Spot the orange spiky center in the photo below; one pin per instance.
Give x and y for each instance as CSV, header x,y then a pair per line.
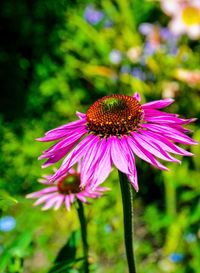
x,y
114,115
69,184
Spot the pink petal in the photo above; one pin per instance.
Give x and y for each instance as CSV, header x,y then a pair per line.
x,y
80,115
59,202
88,161
67,202
56,157
137,96
74,156
103,164
129,154
81,197
134,180
165,120
152,148
50,203
132,165
143,154
158,104
63,131
118,155
41,192
156,113
66,142
71,198
170,133
45,198
102,189
180,128
165,143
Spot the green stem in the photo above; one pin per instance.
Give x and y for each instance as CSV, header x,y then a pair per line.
x,y
170,196
83,234
127,201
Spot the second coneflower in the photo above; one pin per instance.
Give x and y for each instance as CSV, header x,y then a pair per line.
x,y
113,130
65,190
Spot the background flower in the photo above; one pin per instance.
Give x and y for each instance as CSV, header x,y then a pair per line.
x,y
185,17
115,56
7,223
92,15
65,191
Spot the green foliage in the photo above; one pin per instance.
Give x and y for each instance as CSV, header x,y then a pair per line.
x,y
65,259
14,254
55,63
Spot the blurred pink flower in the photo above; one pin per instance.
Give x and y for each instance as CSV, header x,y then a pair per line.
x,y
65,191
185,16
114,129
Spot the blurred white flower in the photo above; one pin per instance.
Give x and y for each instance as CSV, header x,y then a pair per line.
x,y
185,16
134,53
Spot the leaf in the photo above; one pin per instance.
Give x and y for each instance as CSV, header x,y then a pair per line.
x,y
67,253
17,250
67,265
6,200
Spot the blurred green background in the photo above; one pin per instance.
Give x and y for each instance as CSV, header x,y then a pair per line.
x,y
58,57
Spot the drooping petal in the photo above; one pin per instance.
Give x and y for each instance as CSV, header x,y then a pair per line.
x,y
102,189
55,158
50,203
45,198
63,131
134,180
157,104
179,127
137,96
165,120
132,165
170,133
88,162
67,202
150,112
103,164
118,155
59,202
74,156
165,143
156,150
71,198
64,143
81,197
80,115
153,115
144,154
41,192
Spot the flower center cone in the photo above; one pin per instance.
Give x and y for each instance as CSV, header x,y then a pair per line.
x,y
70,184
114,115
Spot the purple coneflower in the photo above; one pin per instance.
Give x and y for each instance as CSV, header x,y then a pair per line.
x,y
65,191
114,130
